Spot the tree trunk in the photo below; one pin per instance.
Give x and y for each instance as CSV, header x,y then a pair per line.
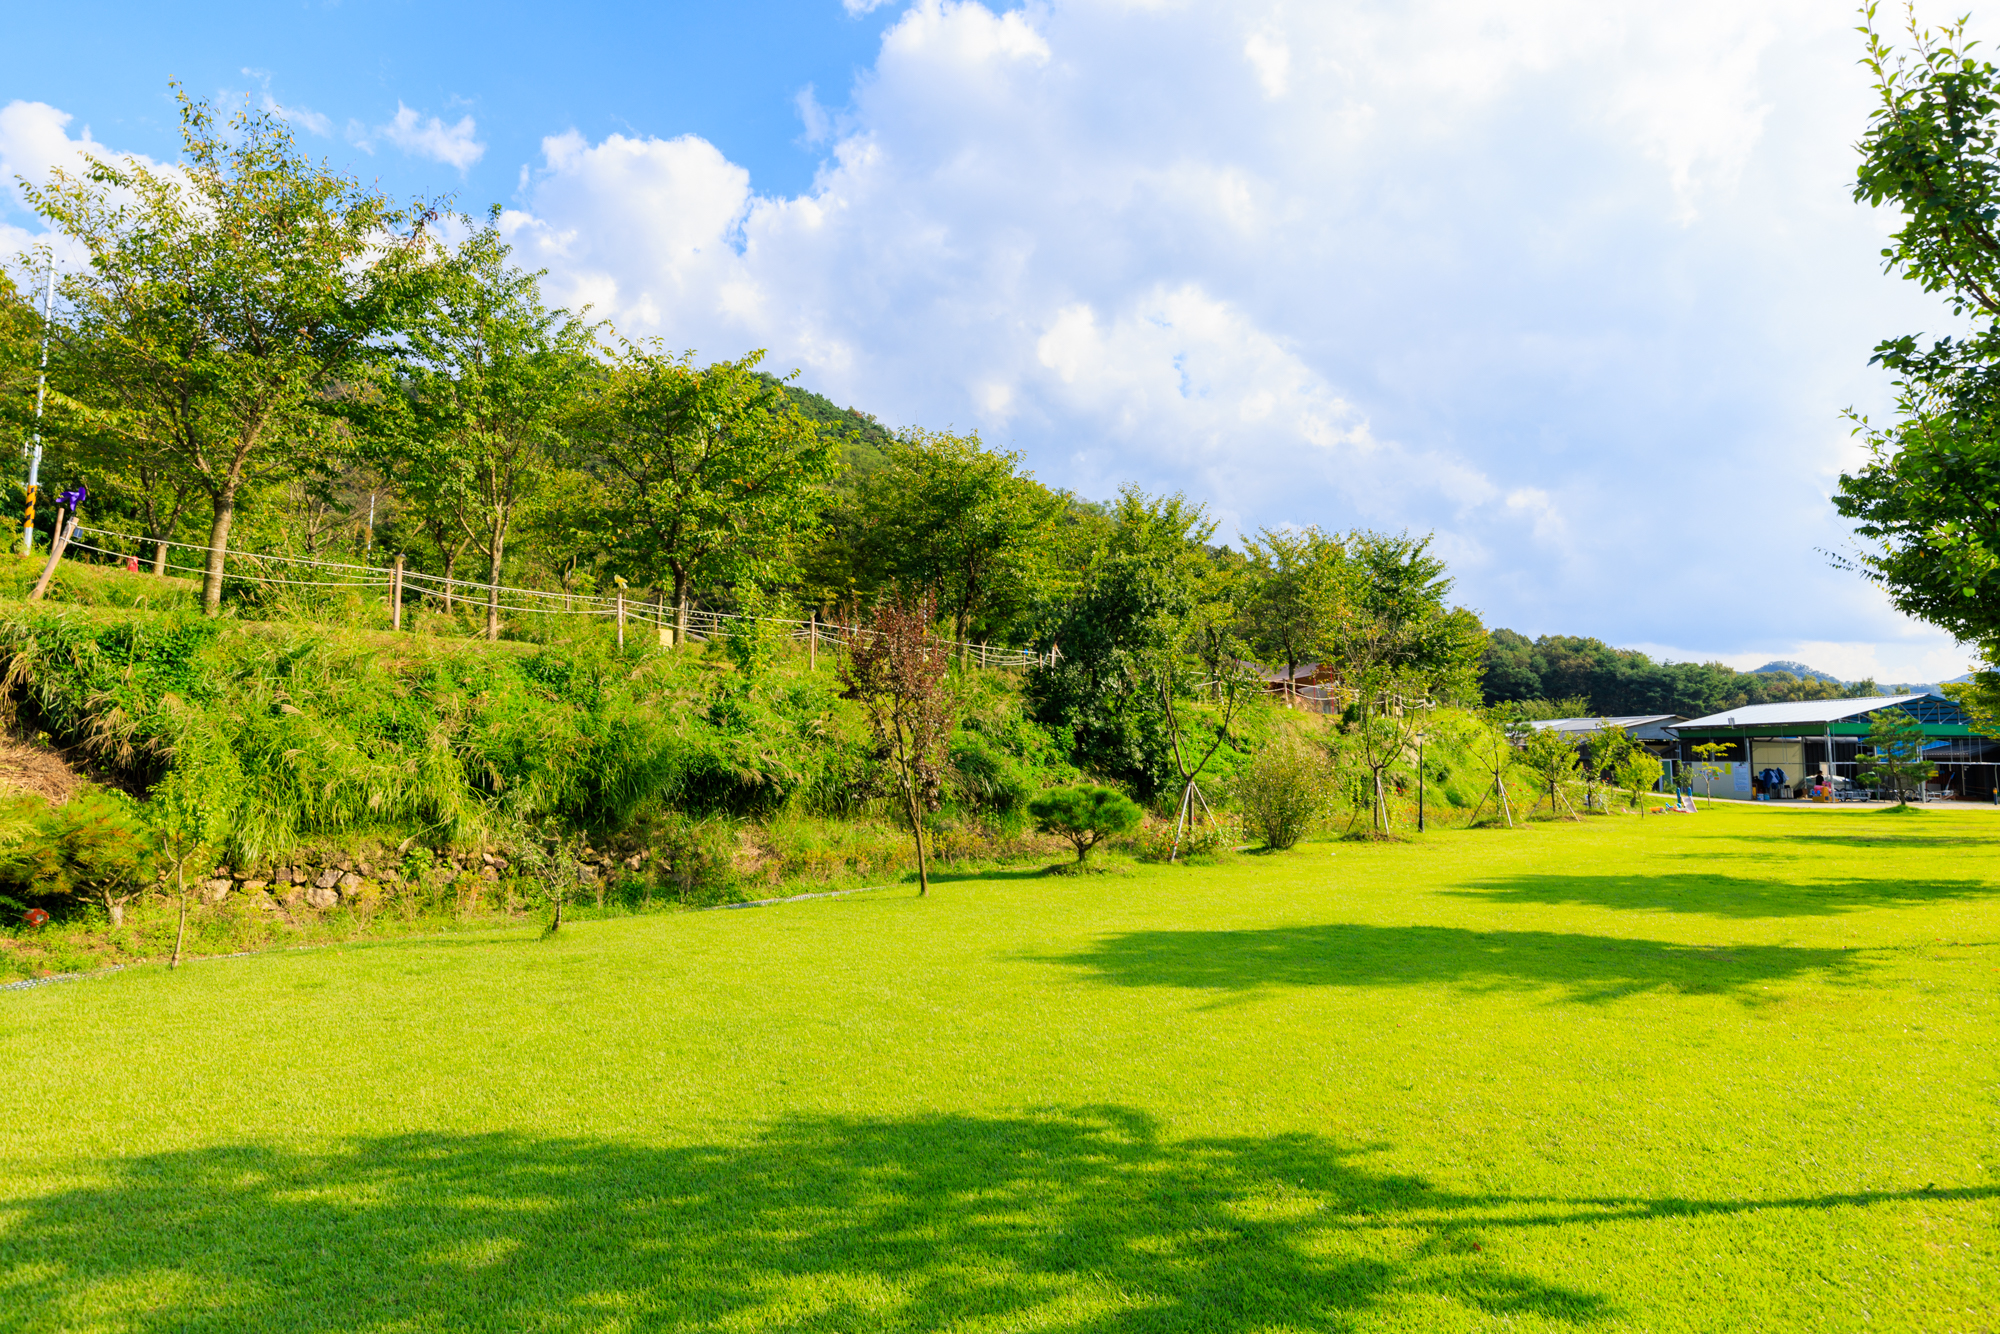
x,y
917,827
218,549
916,815
115,910
450,570
160,558
680,604
180,884
493,585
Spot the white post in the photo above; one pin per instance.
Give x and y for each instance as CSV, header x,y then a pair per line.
x,y
41,392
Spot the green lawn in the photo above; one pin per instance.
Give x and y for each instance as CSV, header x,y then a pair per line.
x,y
1733,1072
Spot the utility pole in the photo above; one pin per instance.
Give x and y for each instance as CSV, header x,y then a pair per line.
x,y
41,392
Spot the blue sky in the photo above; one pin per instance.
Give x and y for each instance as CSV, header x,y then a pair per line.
x,y
1580,288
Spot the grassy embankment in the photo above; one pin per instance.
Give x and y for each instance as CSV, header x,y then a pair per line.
x,y
723,771
1726,1072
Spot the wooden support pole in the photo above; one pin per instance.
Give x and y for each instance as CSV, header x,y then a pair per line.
x,y
621,616
396,594
63,535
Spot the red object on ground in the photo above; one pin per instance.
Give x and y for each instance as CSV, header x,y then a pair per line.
x,y
36,917
132,565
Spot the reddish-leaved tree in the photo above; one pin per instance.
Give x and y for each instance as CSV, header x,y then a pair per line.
x,y
901,674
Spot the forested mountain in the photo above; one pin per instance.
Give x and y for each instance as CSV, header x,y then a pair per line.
x,y
1588,676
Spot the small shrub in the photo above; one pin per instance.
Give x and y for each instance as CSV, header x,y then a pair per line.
x,y
96,848
697,857
1283,793
1086,816
1155,842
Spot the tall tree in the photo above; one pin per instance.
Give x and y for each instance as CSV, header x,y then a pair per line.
x,y
1925,498
712,473
1131,608
1398,648
949,514
478,399
1295,593
226,296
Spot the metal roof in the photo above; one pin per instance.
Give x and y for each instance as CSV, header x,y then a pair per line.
x,y
1797,712
1593,724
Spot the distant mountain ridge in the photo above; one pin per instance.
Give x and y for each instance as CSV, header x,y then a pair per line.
x,y
1805,673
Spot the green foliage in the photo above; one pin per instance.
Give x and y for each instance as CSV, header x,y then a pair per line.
x,y
97,847
1637,771
1553,760
467,419
1296,594
1896,762
224,300
1129,613
1709,764
1570,676
947,514
1925,498
711,476
1283,792
1086,816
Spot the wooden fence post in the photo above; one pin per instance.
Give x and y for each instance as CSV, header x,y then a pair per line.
x,y
396,594
621,613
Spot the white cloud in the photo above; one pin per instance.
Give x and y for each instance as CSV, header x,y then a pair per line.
x,y
1272,59
34,138
298,115
814,117
455,145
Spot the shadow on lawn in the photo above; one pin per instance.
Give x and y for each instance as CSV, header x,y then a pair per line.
x,y
1077,1221
1724,895
1592,968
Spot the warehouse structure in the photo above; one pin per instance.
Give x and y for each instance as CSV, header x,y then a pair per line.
x,y
1825,737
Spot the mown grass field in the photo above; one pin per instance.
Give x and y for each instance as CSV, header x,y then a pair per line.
x,y
1733,1072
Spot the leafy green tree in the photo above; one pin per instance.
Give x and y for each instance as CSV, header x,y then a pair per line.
x,y
1295,593
1553,760
1638,769
1925,499
190,811
1896,741
1128,615
227,298
474,416
1605,753
711,475
945,512
1086,816
1399,648
1708,763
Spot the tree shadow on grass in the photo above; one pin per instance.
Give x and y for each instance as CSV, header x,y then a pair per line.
x,y
1079,1221
1724,895
1860,836
1588,968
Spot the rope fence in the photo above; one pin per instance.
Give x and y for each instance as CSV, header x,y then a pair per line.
x,y
702,624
